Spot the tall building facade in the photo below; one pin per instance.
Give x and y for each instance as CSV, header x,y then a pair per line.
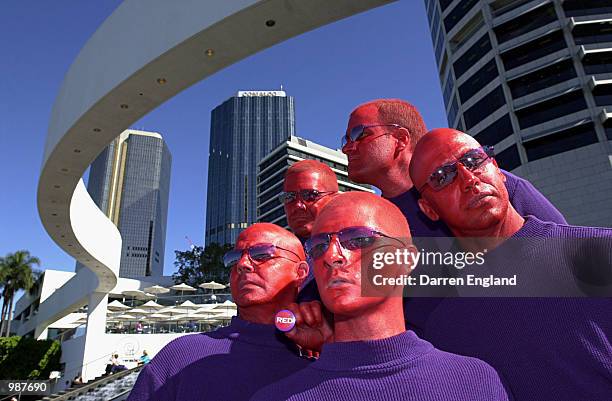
x,y
243,130
534,79
272,168
130,183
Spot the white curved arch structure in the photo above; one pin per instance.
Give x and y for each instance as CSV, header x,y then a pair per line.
x,y
142,55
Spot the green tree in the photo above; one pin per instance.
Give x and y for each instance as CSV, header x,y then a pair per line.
x,y
199,265
15,274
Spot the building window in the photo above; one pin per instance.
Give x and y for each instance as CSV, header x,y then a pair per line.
x,y
467,32
439,44
273,216
508,159
608,128
484,107
533,50
272,192
435,25
550,109
472,55
579,8
500,7
561,141
597,63
596,32
444,4
542,78
269,206
524,23
478,81
448,88
603,95
496,132
457,13
452,113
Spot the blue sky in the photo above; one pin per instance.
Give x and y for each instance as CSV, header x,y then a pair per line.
x,y
385,52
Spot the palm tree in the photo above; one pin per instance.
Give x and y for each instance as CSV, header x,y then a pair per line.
x,y
15,274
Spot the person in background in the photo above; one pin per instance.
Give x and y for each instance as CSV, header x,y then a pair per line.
x,y
144,358
308,186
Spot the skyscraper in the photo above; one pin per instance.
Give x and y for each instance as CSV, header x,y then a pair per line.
x,y
244,129
130,183
533,78
272,170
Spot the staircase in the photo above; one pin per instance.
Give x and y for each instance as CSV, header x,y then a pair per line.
x,y
115,387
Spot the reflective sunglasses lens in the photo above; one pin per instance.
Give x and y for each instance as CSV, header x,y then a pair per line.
x,y
356,238
309,196
357,132
473,159
443,176
317,245
286,197
261,253
231,258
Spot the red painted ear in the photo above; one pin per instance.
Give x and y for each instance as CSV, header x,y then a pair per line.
x,y
428,210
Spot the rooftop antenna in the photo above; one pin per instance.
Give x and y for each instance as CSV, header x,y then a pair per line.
x,y
281,87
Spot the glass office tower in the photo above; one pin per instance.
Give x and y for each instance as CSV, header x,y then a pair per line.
x,y
130,183
244,129
534,79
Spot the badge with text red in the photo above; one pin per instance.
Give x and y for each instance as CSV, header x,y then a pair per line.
x,y
284,320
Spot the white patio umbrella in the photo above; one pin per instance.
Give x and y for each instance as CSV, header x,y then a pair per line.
x,y
138,311
158,316
134,294
226,305
152,305
182,287
116,306
157,289
125,316
212,285
189,305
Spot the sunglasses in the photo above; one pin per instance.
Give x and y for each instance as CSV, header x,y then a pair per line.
x,y
258,254
350,238
306,195
358,131
446,173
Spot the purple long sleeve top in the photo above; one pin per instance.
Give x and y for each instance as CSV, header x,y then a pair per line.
x,y
231,363
402,368
543,348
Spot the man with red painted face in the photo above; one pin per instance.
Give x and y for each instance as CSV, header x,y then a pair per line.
x,y
372,356
545,348
232,363
309,185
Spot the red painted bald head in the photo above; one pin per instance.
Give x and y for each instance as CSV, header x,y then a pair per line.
x,y
338,270
474,199
273,279
308,175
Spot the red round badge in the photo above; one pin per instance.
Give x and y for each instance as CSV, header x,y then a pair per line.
x,y
284,320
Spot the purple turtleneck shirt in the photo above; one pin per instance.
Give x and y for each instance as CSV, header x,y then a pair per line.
x,y
543,348
402,368
231,363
